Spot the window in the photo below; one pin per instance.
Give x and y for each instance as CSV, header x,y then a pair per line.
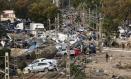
x,y
39,64
63,49
5,15
43,59
35,61
51,63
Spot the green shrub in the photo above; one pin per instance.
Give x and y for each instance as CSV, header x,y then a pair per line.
x,y
77,72
22,65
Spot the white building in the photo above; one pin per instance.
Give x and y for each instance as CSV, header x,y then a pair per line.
x,y
8,15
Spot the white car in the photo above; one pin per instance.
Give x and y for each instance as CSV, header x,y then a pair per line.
x,y
41,66
53,61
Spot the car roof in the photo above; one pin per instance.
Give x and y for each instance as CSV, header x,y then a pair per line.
x,y
41,59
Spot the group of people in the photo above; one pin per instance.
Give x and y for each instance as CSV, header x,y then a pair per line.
x,y
89,49
92,48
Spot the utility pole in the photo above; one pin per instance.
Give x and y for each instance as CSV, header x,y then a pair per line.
x,y
58,22
9,4
0,15
49,24
55,27
7,65
69,4
36,51
100,30
89,17
6,72
83,18
68,54
100,34
68,59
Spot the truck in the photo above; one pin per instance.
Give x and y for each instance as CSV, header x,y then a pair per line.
x,y
19,26
37,29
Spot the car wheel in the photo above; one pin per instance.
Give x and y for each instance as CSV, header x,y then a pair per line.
x,y
46,70
55,69
29,70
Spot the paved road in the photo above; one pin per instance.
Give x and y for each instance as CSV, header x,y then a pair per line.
x,y
116,50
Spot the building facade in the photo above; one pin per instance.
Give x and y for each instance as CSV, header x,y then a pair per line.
x,y
8,15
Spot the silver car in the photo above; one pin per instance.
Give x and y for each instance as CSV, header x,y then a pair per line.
x,y
41,66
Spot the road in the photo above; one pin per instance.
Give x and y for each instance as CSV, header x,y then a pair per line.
x,y
119,56
116,50
99,62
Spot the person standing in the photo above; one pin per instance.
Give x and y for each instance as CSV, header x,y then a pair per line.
x,y
123,46
111,57
92,49
107,57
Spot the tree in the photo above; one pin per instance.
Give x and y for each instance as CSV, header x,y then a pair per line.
x,y
21,8
2,31
89,3
115,13
3,5
41,10
6,4
64,3
22,64
77,72
109,29
92,7
119,10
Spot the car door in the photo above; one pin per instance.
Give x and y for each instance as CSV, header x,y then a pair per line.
x,y
42,66
34,67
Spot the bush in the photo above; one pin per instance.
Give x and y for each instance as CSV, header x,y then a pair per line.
x,y
77,72
48,52
115,44
22,65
